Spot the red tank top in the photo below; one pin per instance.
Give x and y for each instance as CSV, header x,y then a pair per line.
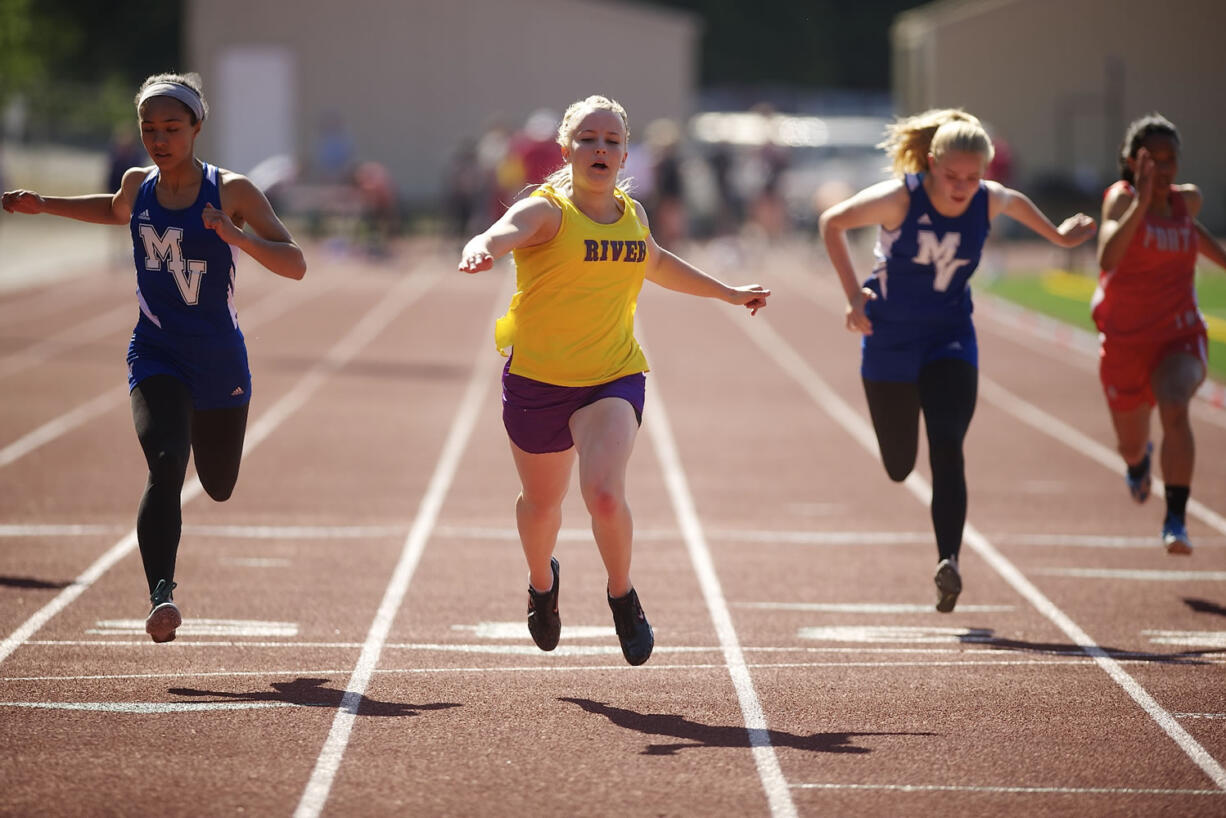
x,y
1151,294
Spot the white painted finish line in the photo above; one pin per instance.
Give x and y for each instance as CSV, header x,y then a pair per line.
x,y
868,607
200,627
894,633
1144,576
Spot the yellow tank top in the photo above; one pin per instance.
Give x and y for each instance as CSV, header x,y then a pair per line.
x,y
571,320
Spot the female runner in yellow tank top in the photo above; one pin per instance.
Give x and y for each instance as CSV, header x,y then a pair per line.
x,y
574,381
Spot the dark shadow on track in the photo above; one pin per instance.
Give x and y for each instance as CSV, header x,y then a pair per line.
x,y
696,735
32,583
1205,606
983,636
312,693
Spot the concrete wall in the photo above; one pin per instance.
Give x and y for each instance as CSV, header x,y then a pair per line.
x,y
1061,79
410,79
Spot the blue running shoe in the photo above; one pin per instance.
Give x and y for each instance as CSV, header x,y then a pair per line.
x,y
1138,487
164,618
1175,536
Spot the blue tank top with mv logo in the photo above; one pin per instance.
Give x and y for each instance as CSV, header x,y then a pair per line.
x,y
185,272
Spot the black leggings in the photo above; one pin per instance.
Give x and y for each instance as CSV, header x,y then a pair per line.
x,y
945,392
169,429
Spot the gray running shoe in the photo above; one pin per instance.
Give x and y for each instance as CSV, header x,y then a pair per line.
x,y
164,618
949,584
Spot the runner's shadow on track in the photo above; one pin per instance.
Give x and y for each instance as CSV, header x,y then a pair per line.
x,y
694,734
982,636
1205,606
32,583
312,693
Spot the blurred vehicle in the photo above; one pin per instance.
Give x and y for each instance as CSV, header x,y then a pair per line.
x,y
812,162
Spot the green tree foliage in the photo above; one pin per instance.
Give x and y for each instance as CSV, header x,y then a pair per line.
x,y
76,64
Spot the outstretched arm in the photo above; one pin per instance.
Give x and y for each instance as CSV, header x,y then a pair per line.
x,y
530,221
885,204
675,273
96,208
1017,206
271,244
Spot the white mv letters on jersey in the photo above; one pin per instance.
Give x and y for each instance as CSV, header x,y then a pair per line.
x,y
167,249
940,254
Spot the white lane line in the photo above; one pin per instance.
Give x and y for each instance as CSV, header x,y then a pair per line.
x,y
1022,326
1008,790
154,707
109,322
894,633
1149,543
200,627
515,630
368,532
1145,576
1077,662
51,530
63,424
408,290
764,335
269,306
1054,427
866,607
329,760
778,795
1215,640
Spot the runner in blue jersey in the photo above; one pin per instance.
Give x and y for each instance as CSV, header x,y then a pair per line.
x,y
187,361
919,353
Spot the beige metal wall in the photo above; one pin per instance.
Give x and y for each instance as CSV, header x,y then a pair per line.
x,y
412,78
1061,79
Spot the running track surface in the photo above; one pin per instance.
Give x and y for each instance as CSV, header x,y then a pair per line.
x,y
355,643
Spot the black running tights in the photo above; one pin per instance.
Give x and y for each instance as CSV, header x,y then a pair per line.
x,y
945,392
169,429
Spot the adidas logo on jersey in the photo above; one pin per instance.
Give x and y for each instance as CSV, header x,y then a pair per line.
x,y
238,390
144,216
923,219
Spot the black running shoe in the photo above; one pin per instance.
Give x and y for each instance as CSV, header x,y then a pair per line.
x,y
164,618
633,629
543,621
949,584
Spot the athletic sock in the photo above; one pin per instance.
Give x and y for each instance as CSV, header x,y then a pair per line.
x,y
1177,500
1137,471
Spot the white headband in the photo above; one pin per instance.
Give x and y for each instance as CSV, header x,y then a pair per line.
x,y
178,91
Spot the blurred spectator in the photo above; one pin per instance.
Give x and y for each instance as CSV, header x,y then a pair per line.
x,y
380,207
124,152
532,154
727,202
768,211
665,197
333,150
491,153
462,189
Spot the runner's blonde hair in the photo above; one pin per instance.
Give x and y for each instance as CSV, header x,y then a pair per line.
x,y
937,131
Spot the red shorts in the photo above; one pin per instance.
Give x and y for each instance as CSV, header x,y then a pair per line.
x,y
1125,367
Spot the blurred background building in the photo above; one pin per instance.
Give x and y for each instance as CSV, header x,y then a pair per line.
x,y
1061,79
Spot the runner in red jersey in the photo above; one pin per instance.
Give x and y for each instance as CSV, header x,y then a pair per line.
x,y
1154,339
